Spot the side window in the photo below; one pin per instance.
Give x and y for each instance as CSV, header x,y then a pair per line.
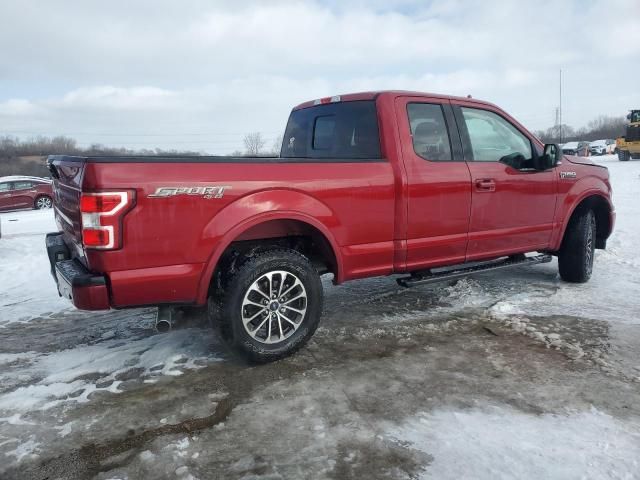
x,y
429,131
493,138
22,185
4,187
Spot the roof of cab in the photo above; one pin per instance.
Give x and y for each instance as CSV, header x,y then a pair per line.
x,y
372,95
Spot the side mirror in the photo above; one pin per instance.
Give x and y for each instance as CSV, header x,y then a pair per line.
x,y
552,156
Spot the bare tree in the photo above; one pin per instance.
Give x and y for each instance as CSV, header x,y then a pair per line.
x,y
276,146
253,143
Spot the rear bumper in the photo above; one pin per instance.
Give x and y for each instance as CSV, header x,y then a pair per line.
x,y
85,290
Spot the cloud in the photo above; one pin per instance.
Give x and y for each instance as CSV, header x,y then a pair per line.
x,y
182,70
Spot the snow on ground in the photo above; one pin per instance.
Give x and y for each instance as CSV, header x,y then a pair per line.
x,y
39,381
27,289
35,381
502,443
612,294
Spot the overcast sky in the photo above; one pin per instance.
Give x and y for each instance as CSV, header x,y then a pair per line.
x,y
200,74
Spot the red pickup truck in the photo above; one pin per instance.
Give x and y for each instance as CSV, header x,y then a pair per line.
x,y
366,184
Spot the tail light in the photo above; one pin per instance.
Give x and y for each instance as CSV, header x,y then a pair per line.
x,y
102,214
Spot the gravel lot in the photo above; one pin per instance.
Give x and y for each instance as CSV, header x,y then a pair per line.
x,y
512,374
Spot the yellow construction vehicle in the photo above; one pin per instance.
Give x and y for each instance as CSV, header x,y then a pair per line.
x,y
628,146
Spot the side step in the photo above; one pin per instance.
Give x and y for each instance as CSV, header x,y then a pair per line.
x,y
421,278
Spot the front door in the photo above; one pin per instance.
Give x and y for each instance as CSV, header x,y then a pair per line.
x,y
513,201
5,195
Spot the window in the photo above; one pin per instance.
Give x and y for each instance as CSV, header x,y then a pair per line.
x,y
4,187
22,185
429,131
334,130
493,138
323,132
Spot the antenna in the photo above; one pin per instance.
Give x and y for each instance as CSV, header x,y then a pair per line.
x,y
560,112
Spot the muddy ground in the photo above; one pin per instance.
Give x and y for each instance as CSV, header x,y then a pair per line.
x,y
383,356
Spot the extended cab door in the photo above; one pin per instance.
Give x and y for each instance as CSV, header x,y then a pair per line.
x,y
513,200
438,190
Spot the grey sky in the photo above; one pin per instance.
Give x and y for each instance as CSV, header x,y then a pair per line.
x,y
199,74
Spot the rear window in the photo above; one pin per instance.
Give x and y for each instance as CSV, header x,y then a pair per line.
x,y
335,130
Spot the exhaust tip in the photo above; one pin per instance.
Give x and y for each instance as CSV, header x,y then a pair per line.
x,y
163,326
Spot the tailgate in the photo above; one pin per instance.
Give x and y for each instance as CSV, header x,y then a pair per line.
x,y
68,173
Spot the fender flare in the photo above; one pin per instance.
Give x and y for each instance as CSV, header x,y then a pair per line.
x,y
259,207
591,192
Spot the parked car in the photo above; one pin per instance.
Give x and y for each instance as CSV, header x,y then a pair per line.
x,y
366,184
603,147
25,192
579,149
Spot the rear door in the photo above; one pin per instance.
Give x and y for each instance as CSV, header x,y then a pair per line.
x,y
513,203
22,194
438,182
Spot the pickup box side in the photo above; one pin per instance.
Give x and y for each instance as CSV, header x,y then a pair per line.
x,y
170,245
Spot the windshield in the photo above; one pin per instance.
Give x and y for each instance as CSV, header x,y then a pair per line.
x,y
333,130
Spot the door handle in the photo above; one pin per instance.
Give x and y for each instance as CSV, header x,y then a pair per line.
x,y
486,185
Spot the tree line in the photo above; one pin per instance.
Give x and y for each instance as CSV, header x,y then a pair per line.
x,y
27,157
600,128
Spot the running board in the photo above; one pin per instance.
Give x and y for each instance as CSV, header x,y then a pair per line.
x,y
421,278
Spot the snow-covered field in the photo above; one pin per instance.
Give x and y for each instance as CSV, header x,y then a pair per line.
x,y
512,374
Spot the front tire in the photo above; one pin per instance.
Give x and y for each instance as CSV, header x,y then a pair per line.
x,y
623,155
575,258
271,305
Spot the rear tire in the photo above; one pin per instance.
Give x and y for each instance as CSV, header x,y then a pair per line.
x,y
623,155
43,202
575,258
258,326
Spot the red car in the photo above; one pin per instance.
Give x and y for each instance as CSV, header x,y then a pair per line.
x,y
25,192
430,186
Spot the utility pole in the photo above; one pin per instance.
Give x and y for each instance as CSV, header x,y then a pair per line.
x,y
560,114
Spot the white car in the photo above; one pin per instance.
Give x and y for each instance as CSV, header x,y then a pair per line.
x,y
602,147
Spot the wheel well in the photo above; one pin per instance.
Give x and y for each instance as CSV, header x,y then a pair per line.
x,y
282,233
39,196
602,212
